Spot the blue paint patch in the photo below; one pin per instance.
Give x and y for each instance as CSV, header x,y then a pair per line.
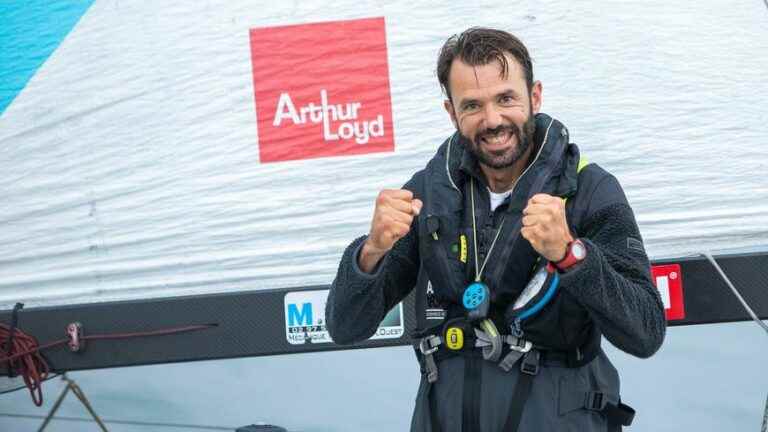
x,y
30,30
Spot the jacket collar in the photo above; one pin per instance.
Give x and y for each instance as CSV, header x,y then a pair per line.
x,y
551,149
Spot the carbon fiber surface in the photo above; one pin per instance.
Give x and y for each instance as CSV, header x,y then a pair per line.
x,y
708,299
255,323
248,324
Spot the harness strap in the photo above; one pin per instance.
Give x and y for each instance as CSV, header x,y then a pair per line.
x,y
617,414
529,368
428,346
434,420
517,348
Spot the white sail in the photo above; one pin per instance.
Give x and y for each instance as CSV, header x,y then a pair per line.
x,y
131,159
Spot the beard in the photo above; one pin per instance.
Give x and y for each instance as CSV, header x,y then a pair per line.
x,y
507,157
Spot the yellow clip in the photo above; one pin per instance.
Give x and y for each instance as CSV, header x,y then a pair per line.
x,y
463,248
454,338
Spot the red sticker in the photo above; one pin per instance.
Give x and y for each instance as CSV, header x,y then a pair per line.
x,y
669,281
322,90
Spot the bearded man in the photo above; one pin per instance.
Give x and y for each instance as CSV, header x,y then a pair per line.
x,y
522,256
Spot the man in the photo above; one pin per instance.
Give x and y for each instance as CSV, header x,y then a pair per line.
x,y
521,254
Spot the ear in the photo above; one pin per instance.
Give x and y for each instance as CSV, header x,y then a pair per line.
x,y
536,96
449,108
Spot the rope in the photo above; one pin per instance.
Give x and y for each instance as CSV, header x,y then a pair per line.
x,y
122,422
25,358
765,413
749,310
736,292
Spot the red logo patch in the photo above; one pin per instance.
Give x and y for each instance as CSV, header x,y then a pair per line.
x,y
669,281
322,90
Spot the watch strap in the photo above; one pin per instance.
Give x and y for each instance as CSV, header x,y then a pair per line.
x,y
570,258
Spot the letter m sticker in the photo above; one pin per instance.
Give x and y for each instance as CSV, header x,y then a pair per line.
x,y
301,317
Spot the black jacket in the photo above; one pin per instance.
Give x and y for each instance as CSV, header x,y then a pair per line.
x,y
609,293
611,289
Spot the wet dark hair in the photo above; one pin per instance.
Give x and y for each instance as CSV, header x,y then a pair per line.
x,y
478,46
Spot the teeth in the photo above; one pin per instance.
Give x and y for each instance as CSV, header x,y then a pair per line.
x,y
497,138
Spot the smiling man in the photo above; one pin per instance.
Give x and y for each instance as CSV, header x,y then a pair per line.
x,y
522,256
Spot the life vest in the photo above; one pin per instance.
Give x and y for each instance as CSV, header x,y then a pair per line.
x,y
446,245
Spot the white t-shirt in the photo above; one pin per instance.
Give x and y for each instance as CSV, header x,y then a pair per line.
x,y
498,198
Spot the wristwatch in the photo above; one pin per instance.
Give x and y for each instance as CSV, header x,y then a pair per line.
x,y
575,252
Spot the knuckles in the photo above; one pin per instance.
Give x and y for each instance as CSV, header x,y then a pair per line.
x,y
382,198
390,224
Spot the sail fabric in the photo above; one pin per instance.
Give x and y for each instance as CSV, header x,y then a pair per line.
x,y
174,148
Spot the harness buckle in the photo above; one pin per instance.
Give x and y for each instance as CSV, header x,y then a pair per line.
x,y
595,401
519,344
429,344
530,363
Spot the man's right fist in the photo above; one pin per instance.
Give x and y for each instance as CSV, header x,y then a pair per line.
x,y
392,218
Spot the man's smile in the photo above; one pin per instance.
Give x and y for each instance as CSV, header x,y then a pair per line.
x,y
497,141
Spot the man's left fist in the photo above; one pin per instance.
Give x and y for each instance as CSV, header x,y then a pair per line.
x,y
545,227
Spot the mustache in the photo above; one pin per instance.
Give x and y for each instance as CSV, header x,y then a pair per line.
x,y
490,133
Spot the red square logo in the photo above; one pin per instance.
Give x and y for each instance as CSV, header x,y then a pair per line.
x,y
322,90
669,281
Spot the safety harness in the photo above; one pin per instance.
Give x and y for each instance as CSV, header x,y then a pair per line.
x,y
459,336
469,332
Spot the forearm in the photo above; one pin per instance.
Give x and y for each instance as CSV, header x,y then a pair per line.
x,y
613,283
358,301
369,258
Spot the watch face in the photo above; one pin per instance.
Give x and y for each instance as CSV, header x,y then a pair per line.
x,y
578,250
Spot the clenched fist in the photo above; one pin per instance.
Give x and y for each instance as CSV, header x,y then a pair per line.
x,y
545,227
392,218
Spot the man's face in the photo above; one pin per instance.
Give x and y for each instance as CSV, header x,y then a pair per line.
x,y
494,113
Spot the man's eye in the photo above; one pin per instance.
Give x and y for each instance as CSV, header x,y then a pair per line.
x,y
471,106
507,100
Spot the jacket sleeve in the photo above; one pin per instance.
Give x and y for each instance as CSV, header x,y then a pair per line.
x,y
614,282
358,301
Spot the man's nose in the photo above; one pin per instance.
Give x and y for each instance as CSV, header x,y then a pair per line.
x,y
491,117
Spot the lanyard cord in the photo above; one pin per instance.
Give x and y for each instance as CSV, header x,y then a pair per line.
x,y
478,269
